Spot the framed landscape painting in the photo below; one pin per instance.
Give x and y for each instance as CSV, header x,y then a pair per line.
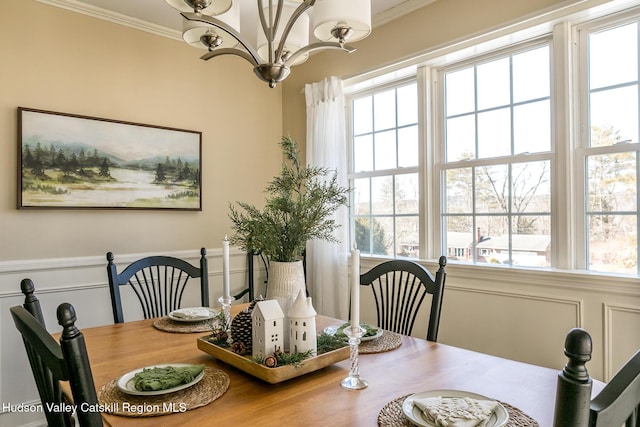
x,y
69,161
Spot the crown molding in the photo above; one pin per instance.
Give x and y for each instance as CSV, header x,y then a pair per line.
x,y
398,11
116,18
140,24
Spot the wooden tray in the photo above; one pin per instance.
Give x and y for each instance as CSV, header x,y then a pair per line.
x,y
273,375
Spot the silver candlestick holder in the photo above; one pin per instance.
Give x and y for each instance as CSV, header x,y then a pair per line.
x,y
225,302
353,381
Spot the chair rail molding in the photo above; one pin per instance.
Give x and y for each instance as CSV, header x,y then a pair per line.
x,y
89,272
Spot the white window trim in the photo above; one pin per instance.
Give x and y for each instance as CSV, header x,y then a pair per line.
x,y
560,23
440,166
581,129
406,77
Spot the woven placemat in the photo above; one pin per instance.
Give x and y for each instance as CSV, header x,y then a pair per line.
x,y
392,415
167,325
213,385
388,341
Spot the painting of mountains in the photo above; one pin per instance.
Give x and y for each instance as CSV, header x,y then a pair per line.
x,y
71,161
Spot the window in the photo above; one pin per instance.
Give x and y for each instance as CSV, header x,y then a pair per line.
x,y
610,146
385,200
496,174
531,156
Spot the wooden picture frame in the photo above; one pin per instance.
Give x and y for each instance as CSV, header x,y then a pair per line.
x,y
69,161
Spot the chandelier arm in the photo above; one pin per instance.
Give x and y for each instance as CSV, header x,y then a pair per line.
x,y
269,28
251,55
229,51
319,46
292,20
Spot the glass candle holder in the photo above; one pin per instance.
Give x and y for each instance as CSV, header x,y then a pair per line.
x,y
225,302
353,381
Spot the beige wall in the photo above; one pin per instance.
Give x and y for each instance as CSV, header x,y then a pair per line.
x,y
58,60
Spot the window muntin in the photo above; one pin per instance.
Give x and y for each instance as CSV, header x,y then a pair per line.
x,y
385,201
497,203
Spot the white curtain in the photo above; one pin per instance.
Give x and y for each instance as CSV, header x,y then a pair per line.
x,y
327,267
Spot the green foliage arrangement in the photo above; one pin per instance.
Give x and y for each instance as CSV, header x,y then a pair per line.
x,y
297,210
327,343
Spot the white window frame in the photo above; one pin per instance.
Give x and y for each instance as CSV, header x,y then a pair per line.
x,y
562,24
404,79
441,165
582,131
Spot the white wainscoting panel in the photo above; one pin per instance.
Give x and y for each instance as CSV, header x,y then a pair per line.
x,y
622,336
524,327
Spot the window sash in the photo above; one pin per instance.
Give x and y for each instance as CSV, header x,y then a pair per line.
x,y
392,216
569,112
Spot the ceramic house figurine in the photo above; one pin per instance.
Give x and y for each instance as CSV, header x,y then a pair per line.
x,y
267,321
302,326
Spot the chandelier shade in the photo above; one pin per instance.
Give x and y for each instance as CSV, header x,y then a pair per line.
x,y
329,16
283,30
206,36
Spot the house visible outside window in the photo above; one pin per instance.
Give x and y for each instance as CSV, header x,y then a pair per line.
x,y
497,137
384,206
610,146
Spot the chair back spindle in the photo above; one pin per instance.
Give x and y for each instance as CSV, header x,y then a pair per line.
x,y
159,283
399,288
249,290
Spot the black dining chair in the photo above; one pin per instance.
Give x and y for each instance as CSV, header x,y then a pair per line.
x,y
31,302
399,288
158,282
250,289
52,363
617,404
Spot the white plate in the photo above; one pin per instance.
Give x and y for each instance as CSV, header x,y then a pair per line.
x,y
126,384
192,314
499,417
330,330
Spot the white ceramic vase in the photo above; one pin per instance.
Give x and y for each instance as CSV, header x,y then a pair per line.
x,y
286,280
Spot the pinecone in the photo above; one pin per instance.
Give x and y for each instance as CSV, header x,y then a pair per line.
x,y
241,330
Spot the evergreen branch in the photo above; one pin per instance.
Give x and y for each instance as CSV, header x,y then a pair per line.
x,y
297,209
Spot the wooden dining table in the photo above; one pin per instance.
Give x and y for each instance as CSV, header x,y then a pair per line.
x,y
317,398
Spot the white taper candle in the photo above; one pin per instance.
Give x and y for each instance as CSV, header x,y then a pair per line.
x,y
355,288
225,267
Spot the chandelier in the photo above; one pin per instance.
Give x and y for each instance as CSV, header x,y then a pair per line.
x,y
283,30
